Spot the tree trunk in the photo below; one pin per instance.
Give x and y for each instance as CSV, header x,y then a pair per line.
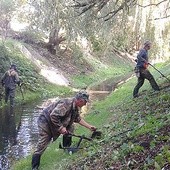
x,y
54,41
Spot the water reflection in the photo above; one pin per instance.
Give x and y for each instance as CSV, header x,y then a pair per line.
x,y
18,133
7,129
7,135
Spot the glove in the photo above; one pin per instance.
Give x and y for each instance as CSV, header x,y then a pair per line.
x,y
93,128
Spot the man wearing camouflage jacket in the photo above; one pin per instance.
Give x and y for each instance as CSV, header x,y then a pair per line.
x,y
58,118
9,81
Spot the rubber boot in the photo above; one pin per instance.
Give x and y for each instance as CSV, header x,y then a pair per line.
x,y
67,140
35,161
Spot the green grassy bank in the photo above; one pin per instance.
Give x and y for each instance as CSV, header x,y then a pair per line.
x,y
143,116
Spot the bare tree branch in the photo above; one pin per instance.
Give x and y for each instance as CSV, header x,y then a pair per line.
x,y
111,14
121,7
166,14
87,8
102,4
144,6
162,17
79,4
99,4
89,4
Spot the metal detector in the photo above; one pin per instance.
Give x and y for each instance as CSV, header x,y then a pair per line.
x,y
96,134
21,90
159,72
76,148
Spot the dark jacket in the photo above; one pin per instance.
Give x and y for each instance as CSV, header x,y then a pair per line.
x,y
10,79
142,58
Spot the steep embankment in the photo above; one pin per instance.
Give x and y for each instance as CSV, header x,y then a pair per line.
x,y
46,69
78,70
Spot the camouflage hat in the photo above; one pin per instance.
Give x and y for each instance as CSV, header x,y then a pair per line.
x,y
82,95
13,66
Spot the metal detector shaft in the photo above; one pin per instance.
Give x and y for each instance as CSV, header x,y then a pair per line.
x,y
21,92
159,72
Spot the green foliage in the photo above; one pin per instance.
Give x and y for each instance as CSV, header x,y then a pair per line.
x,y
124,149
137,148
27,71
166,31
166,97
96,44
30,36
5,59
6,7
163,138
77,53
152,125
163,157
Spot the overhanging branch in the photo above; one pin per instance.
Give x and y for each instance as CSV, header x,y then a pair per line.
x,y
154,4
119,5
162,17
125,4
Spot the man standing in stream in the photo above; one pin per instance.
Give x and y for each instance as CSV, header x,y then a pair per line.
x,y
9,81
141,70
58,118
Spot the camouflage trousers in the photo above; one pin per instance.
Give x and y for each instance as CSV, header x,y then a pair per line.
x,y
145,74
45,135
9,94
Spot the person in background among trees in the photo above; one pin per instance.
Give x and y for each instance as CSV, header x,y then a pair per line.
x,y
9,81
58,118
141,70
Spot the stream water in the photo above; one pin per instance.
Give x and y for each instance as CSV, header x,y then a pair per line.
x,y
19,131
